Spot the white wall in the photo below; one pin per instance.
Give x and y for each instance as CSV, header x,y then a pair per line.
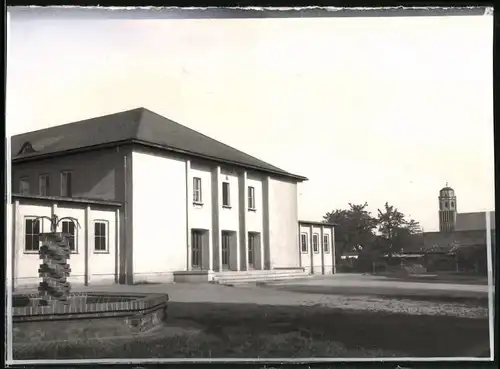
x,y
317,261
102,264
26,263
321,262
229,217
255,218
159,216
305,257
101,267
283,224
200,217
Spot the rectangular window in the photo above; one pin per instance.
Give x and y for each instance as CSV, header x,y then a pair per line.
x,y
100,236
66,184
303,242
225,194
251,198
24,186
315,243
44,185
32,235
69,228
197,190
326,243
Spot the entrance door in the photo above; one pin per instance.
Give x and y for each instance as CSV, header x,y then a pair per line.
x,y
226,241
251,250
196,249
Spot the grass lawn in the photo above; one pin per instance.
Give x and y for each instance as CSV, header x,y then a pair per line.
x,y
220,330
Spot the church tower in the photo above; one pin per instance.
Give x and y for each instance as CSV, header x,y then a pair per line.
x,y
447,209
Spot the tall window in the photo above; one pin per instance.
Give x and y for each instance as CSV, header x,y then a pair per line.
x,y
251,198
326,243
303,242
68,227
24,186
100,236
225,194
66,184
44,185
31,235
316,243
197,195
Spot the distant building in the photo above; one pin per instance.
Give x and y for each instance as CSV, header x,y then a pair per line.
x,y
457,230
156,202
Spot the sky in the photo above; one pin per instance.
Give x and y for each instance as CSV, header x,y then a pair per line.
x,y
368,109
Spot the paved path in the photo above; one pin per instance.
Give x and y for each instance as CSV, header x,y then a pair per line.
x,y
370,281
352,292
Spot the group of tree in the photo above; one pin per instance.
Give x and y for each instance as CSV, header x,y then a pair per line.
x,y
388,232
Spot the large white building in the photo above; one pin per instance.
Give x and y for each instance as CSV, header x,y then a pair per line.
x,y
157,202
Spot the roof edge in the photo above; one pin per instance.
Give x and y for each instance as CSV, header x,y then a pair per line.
x,y
313,222
77,200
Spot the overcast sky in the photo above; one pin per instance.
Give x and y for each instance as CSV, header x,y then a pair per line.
x,y
369,109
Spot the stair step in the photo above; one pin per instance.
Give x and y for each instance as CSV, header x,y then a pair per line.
x,y
256,280
259,276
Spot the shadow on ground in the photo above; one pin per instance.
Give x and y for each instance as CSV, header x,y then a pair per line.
x,y
218,330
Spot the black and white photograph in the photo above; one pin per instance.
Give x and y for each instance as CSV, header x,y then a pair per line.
x,y
260,184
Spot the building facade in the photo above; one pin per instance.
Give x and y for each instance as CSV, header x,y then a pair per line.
x,y
179,204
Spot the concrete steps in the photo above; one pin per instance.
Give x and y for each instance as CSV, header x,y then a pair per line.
x,y
258,276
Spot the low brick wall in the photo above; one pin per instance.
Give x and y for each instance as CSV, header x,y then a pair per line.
x,y
83,320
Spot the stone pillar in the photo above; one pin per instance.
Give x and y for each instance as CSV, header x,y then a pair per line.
x,y
54,270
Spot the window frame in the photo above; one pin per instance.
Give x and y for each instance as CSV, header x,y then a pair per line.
x,y
197,191
75,236
315,249
326,243
252,203
27,182
106,236
226,185
64,184
40,230
45,176
304,237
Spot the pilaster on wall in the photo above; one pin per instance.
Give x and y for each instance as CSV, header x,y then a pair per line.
x,y
243,200
334,251
266,244
216,250
128,244
17,224
322,249
189,200
88,237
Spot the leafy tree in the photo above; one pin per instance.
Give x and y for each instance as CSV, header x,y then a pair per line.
x,y
396,232
354,229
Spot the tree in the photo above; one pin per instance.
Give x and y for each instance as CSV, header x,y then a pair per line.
x,y
354,227
396,232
